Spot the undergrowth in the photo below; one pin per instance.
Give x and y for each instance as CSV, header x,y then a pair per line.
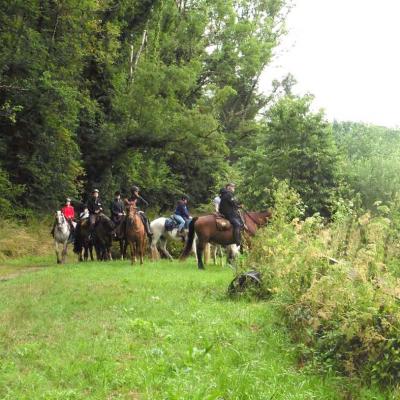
x,y
28,238
337,285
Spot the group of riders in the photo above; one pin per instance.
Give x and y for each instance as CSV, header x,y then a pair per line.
x,y
225,205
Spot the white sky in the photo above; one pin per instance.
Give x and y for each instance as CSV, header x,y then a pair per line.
x,y
347,54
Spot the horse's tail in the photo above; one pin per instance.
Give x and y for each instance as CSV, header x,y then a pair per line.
x,y
189,243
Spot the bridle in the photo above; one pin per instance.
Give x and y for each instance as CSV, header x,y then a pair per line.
x,y
248,214
60,219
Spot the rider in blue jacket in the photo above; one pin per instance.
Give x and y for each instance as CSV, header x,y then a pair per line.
x,y
182,214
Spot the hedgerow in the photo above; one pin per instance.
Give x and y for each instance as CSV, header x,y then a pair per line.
x,y
336,285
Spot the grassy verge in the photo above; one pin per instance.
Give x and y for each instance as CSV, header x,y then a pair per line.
x,y
160,331
19,240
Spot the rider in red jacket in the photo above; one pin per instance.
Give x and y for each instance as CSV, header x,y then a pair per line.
x,y
68,210
69,214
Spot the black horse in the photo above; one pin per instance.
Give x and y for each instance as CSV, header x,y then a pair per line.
x,y
102,237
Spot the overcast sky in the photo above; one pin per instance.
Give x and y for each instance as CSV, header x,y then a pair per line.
x,y
346,53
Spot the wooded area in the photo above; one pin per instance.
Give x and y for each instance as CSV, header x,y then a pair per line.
x,y
164,94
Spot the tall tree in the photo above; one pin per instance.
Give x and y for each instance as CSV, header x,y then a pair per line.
x,y
296,145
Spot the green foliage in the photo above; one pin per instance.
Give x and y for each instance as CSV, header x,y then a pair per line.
x,y
88,99
8,196
344,313
371,160
295,145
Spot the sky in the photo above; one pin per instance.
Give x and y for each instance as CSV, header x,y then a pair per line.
x,y
347,54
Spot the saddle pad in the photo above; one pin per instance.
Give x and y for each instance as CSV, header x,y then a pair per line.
x,y
170,224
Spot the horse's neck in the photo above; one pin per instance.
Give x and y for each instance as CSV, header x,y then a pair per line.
x,y
251,222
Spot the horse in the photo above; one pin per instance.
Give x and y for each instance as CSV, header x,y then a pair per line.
x,y
103,231
61,235
160,235
83,241
205,228
135,233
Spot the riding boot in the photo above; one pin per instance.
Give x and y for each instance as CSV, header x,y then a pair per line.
x,y
236,235
146,224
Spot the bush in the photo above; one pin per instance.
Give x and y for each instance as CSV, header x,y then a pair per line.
x,y
334,287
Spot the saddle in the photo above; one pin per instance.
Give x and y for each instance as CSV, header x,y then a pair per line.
x,y
171,224
222,223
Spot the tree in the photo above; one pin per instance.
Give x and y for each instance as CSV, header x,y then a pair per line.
x,y
296,145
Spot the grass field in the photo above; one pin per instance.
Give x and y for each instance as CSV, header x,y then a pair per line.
x,y
158,331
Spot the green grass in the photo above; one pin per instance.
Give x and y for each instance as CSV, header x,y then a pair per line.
x,y
158,331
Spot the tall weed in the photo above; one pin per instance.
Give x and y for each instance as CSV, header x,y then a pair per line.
x,y
336,285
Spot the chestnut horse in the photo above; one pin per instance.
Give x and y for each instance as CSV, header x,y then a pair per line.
x,y
205,228
135,233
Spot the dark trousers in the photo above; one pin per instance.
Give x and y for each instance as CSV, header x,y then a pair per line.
x,y
237,224
146,224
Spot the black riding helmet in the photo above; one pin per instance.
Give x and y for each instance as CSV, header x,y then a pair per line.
x,y
185,197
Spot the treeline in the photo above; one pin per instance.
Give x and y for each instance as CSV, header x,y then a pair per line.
x,y
164,94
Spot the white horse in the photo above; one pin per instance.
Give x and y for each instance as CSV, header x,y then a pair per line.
x,y
61,236
159,239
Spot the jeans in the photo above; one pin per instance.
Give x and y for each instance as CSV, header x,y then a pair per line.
x,y
180,220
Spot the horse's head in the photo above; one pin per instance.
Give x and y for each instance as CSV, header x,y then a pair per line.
x,y
60,219
132,210
265,216
260,218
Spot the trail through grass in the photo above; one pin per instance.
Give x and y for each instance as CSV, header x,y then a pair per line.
x,y
158,331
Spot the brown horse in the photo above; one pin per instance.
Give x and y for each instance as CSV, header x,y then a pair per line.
x,y
135,233
205,228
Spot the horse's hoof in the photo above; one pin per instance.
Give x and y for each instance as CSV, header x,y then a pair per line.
x,y
201,268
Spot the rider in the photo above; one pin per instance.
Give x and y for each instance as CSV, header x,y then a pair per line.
x,y
69,214
137,200
229,208
117,208
182,214
95,208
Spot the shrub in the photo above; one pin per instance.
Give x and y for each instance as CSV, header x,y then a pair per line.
x,y
334,287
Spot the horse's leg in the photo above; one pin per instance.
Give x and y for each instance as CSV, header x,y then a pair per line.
x,y
91,252
155,255
207,253
125,247
194,247
57,253
64,252
132,251
121,248
232,252
200,248
214,254
163,248
141,244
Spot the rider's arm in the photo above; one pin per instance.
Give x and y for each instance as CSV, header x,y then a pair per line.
x,y
144,201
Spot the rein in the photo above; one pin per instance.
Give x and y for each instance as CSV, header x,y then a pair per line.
x,y
248,214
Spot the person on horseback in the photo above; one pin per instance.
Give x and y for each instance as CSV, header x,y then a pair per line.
x,y
182,215
95,208
229,208
117,209
69,214
138,200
